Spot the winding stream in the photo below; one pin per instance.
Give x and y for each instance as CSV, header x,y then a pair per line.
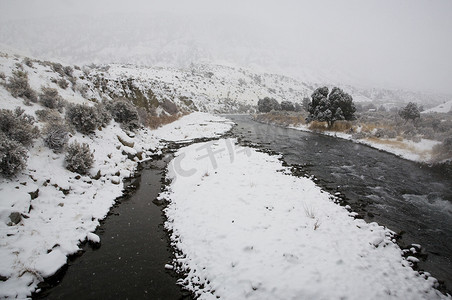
x,y
130,264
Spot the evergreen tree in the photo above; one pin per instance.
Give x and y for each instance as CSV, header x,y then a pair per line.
x,y
287,106
331,107
410,112
268,104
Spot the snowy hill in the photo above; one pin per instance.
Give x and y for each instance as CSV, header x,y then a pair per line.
x,y
442,108
198,87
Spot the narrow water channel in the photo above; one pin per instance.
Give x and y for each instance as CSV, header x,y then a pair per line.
x,y
130,264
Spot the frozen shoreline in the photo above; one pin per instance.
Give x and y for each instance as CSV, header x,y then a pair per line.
x,y
417,152
247,239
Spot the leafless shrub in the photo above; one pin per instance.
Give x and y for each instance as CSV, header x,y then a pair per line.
x,y
84,118
13,156
18,126
124,112
18,86
68,71
79,158
56,136
104,116
28,62
48,115
50,98
57,68
62,83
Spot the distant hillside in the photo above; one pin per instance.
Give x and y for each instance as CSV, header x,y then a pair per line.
x,y
442,108
197,87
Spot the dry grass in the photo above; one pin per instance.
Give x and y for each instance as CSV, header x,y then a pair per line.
x,y
341,126
281,118
155,122
396,143
399,144
317,126
369,127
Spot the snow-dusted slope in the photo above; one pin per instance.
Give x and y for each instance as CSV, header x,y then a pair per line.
x,y
442,108
211,88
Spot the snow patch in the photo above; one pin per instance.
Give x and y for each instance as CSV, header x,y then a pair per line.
x,y
248,229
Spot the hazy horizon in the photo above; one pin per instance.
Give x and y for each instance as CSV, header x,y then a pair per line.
x,y
391,44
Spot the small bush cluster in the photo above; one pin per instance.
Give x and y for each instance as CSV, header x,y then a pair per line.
x,y
50,98
18,126
16,133
56,136
68,71
28,62
57,68
103,115
268,104
385,133
62,83
82,89
287,106
79,158
48,115
84,118
18,86
13,156
125,113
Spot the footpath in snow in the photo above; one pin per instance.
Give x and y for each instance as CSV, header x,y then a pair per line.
x,y
247,229
54,210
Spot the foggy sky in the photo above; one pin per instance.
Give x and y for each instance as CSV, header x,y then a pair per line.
x,y
406,43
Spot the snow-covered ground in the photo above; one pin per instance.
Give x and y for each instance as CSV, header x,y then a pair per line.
x,y
68,207
246,228
415,151
193,126
442,108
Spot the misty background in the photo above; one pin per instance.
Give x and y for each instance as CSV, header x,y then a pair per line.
x,y
403,44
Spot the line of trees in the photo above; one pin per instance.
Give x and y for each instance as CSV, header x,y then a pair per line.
x,y
268,104
324,106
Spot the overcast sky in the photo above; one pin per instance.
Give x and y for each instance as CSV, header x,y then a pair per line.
x,y
406,43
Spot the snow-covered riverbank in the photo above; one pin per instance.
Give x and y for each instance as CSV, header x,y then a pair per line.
x,y
246,228
415,151
47,211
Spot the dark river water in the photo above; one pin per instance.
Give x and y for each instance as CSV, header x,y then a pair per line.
x,y
130,264
407,197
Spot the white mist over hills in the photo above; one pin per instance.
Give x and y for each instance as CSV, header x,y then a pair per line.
x,y
388,44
